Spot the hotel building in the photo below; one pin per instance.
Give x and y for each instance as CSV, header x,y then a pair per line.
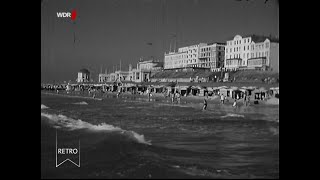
x,y
252,52
201,55
211,56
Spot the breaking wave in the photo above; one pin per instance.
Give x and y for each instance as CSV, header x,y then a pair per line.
x,y
232,115
81,103
44,107
62,121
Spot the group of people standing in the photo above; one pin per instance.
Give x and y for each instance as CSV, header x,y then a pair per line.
x,y
246,101
175,96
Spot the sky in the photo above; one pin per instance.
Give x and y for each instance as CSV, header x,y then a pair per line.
x,y
106,32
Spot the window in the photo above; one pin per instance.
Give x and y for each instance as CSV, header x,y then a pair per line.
x,y
244,48
247,55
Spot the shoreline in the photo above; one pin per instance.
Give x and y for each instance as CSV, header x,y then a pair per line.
x,y
160,98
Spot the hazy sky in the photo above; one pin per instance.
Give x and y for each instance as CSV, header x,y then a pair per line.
x,y
106,31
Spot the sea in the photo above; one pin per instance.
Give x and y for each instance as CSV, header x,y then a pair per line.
x,y
129,137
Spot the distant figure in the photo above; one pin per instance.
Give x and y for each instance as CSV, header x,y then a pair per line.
x,y
235,103
94,95
248,101
149,94
204,104
222,98
172,97
178,97
118,94
57,91
245,99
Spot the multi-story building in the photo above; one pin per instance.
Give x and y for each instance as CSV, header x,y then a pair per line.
x,y
192,59
211,56
252,52
201,55
174,60
83,76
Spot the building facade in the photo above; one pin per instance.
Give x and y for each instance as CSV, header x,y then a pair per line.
x,y
201,55
141,73
253,52
83,76
211,56
174,60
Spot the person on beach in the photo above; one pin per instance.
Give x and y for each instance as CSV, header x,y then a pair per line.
x,y
149,94
235,103
204,104
172,97
222,98
119,92
248,101
178,97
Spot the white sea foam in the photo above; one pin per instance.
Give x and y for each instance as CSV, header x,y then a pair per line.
x,y
81,103
232,115
73,124
44,107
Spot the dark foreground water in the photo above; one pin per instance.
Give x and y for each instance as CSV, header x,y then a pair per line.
x,y
134,138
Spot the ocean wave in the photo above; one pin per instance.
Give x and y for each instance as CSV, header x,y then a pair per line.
x,y
232,115
73,124
81,103
44,107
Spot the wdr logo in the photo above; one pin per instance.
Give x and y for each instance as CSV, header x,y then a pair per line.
x,y
71,15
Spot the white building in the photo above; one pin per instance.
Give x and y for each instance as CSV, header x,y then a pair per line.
x,y
189,56
192,59
211,56
83,76
251,52
174,60
141,73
